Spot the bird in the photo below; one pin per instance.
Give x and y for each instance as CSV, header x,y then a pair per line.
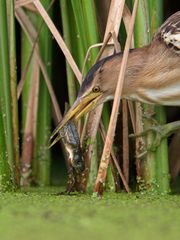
x,y
152,76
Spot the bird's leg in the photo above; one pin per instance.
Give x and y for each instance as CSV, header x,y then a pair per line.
x,y
161,132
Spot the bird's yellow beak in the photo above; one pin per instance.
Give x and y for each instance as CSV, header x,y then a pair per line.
x,y
81,106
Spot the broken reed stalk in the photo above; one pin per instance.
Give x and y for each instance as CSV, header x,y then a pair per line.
x,y
98,188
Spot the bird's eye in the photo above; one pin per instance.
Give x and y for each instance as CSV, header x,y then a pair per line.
x,y
96,89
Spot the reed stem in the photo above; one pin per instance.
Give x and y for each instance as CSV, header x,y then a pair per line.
x,y
6,99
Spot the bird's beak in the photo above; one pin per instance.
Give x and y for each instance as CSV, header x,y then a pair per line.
x,y
81,106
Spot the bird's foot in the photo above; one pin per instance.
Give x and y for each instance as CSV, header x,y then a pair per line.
x,y
161,132
149,115
159,135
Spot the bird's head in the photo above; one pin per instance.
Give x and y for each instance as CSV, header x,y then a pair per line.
x,y
98,86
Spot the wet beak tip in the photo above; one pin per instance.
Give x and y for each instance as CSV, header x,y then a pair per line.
x,y
50,144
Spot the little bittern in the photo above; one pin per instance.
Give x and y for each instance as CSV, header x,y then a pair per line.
x,y
152,75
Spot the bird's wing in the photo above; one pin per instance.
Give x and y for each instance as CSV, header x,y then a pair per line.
x,y
169,32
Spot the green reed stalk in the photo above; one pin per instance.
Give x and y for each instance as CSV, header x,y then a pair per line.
x,y
90,20
155,164
142,37
162,165
67,35
13,84
81,38
42,154
91,33
5,173
6,142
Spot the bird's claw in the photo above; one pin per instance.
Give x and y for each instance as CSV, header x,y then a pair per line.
x,y
161,132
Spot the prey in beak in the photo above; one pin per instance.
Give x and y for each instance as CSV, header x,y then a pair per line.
x,y
81,106
95,89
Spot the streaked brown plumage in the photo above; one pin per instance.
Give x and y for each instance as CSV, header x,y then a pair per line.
x,y
152,75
